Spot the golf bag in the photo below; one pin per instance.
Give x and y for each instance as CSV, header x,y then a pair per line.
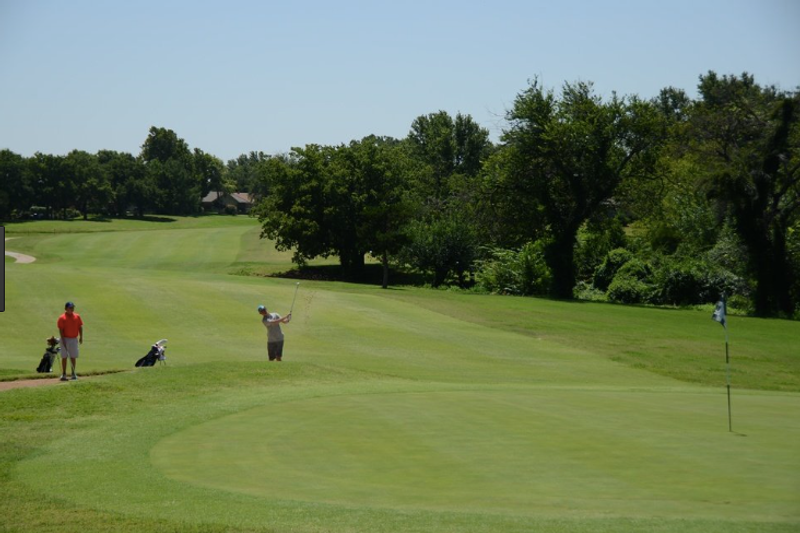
x,y
156,353
49,357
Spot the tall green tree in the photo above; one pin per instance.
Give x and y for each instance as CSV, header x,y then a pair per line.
x,y
293,214
53,192
244,173
446,147
749,136
443,244
16,194
163,144
171,170
127,178
211,172
90,184
369,205
567,156
346,201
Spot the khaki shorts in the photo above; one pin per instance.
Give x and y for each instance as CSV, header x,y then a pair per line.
x,y
69,348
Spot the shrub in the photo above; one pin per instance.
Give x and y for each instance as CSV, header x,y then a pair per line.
x,y
629,290
586,291
595,241
446,246
688,281
518,272
635,268
679,283
605,273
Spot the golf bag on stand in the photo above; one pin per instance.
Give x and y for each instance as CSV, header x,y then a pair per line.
x,y
49,357
156,353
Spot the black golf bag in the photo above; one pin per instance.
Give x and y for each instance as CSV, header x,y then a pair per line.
x,y
155,354
49,357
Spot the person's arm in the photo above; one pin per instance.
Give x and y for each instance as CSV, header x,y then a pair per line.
x,y
281,320
80,338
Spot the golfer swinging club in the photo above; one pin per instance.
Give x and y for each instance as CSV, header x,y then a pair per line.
x,y
273,321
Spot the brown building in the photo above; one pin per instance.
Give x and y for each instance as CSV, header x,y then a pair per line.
x,y
215,201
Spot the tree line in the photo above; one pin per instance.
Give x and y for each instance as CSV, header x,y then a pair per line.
x,y
671,200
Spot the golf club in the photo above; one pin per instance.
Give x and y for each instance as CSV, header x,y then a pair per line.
x,y
295,297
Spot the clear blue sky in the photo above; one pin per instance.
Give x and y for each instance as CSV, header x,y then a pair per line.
x,y
234,76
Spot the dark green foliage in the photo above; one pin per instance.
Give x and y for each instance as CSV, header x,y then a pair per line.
x,y
129,186
570,154
346,201
680,283
522,272
293,215
595,241
91,189
444,147
632,282
605,273
210,173
16,192
245,174
750,137
170,168
636,268
52,192
689,281
629,289
444,246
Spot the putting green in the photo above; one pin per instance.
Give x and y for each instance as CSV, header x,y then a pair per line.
x,y
600,452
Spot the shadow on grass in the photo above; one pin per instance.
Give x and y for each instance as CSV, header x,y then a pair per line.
x,y
145,218
370,275
93,218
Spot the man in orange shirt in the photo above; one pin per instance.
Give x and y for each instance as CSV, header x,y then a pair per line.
x,y
70,326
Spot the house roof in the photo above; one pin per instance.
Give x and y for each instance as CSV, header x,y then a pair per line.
x,y
238,197
242,197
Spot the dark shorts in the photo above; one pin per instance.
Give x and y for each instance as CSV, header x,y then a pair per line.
x,y
275,350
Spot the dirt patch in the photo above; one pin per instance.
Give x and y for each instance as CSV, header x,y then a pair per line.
x,y
52,379
20,383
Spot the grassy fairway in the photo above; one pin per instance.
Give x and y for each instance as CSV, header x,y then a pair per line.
x,y
399,410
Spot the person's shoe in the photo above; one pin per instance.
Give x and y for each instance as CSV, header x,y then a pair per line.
x,y
63,377
74,377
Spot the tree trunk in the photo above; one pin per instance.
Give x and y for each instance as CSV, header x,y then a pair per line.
x,y
772,273
385,261
560,257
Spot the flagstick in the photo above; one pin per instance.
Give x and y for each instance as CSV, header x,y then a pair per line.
x,y
728,372
719,315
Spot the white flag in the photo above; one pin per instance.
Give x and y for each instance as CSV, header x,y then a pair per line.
x,y
719,313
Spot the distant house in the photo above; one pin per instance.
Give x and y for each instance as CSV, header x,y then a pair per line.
x,y
215,201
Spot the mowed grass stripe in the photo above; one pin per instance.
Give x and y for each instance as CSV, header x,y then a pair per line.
x,y
189,250
210,317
